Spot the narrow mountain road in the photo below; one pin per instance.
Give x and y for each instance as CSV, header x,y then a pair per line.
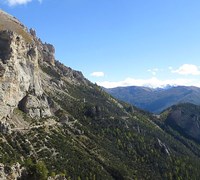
x,y
32,127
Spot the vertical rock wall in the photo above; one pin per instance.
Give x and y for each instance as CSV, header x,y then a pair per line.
x,y
20,78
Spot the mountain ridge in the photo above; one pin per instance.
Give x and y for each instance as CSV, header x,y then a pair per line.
x,y
185,119
156,100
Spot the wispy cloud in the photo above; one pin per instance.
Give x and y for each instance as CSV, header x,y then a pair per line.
x,y
97,74
153,71
152,82
19,2
187,69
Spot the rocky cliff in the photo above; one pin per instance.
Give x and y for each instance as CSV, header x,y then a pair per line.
x,y
21,54
20,83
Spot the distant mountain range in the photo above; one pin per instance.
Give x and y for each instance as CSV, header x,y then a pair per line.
x,y
156,100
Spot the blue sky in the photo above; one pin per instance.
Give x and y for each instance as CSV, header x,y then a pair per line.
x,y
120,42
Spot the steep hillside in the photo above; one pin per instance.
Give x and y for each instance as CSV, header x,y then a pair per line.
x,y
184,118
56,124
156,100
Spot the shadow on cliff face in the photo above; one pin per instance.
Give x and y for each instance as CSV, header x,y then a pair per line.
x,y
5,50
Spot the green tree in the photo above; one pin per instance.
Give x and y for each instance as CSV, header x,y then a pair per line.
x,y
41,170
36,171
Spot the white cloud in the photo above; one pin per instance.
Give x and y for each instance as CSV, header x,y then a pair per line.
x,y
153,71
152,82
170,68
97,74
19,2
187,69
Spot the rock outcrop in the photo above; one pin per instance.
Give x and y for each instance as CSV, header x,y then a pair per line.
x,y
35,106
5,127
48,53
14,172
163,147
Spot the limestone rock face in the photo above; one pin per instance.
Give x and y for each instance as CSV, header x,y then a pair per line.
x,y
48,53
35,106
14,172
20,75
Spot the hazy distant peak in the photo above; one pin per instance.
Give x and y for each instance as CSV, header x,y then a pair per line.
x,y
157,99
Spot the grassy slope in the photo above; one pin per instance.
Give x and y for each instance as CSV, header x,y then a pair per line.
x,y
7,22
